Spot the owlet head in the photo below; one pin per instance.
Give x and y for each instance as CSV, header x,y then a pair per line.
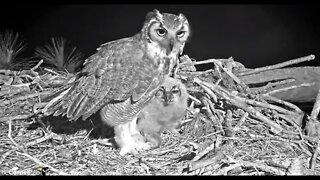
x,y
172,91
169,31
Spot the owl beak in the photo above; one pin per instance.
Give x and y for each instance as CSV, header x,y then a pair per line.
x,y
171,43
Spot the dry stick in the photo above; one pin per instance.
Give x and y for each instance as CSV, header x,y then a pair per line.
x,y
316,107
36,66
197,101
201,62
204,152
210,93
194,165
215,121
44,138
289,120
280,65
286,103
314,157
9,118
271,85
235,78
51,71
241,121
9,134
43,164
265,105
225,170
290,87
227,124
20,98
262,167
236,101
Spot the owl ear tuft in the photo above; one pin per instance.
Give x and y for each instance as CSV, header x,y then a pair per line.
x,y
157,13
182,17
154,14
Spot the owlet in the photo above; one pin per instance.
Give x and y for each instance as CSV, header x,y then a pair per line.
x,y
164,111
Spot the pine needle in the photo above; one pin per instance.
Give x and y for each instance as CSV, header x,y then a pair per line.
x,y
60,54
10,46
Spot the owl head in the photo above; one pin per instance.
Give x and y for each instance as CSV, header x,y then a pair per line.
x,y
168,31
172,91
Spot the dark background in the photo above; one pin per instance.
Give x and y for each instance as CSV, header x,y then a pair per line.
x,y
256,35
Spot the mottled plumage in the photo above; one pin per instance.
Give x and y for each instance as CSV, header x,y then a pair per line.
x,y
123,75
164,111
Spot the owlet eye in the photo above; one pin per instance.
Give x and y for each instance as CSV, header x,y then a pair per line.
x,y
175,90
161,32
180,34
159,93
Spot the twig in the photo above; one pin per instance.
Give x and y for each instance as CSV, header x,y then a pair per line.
x,y
43,164
36,66
241,121
290,120
20,98
265,105
316,107
225,170
208,61
194,165
216,123
197,101
262,167
10,118
280,65
235,78
210,93
44,138
9,134
314,156
290,87
272,85
51,71
227,124
204,152
286,103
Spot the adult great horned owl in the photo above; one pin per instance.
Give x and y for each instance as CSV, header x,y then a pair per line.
x,y
164,111
123,75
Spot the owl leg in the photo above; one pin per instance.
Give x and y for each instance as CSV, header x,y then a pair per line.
x,y
129,138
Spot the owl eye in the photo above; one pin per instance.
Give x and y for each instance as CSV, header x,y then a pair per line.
x,y
175,90
180,34
161,32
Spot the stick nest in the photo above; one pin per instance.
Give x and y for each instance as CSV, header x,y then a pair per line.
x,y
228,130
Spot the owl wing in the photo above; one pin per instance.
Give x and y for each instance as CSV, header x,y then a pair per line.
x,y
119,70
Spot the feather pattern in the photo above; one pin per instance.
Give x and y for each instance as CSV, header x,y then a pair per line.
x,y
118,70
